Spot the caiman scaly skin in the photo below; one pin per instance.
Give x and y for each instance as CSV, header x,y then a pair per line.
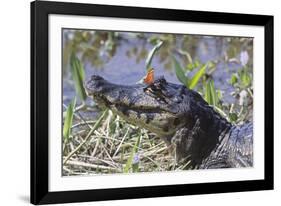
x,y
182,118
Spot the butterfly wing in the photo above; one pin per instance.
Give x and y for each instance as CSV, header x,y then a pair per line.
x,y
149,77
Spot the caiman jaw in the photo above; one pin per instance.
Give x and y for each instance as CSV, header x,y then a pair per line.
x,y
134,105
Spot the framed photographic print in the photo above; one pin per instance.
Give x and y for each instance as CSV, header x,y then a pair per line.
x,y
131,102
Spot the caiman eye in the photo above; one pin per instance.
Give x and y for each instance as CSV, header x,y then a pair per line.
x,y
156,87
151,89
154,90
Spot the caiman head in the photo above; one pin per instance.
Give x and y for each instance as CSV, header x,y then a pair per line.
x,y
156,107
166,109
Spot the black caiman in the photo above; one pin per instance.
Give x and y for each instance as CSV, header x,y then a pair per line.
x,y
182,118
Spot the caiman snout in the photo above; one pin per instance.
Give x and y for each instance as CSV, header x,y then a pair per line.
x,y
105,92
95,85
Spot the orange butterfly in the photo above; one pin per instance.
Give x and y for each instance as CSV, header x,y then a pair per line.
x,y
149,78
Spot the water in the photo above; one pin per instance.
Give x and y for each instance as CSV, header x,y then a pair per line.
x,y
122,69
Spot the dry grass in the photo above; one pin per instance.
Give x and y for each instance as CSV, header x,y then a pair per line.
x,y
114,147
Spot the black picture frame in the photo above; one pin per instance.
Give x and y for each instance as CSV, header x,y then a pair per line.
x,y
39,102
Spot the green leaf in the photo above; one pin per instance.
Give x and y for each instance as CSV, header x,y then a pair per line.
x,y
210,94
213,94
180,73
129,163
207,93
78,76
196,64
190,66
233,117
219,94
151,54
245,78
234,79
68,120
193,82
